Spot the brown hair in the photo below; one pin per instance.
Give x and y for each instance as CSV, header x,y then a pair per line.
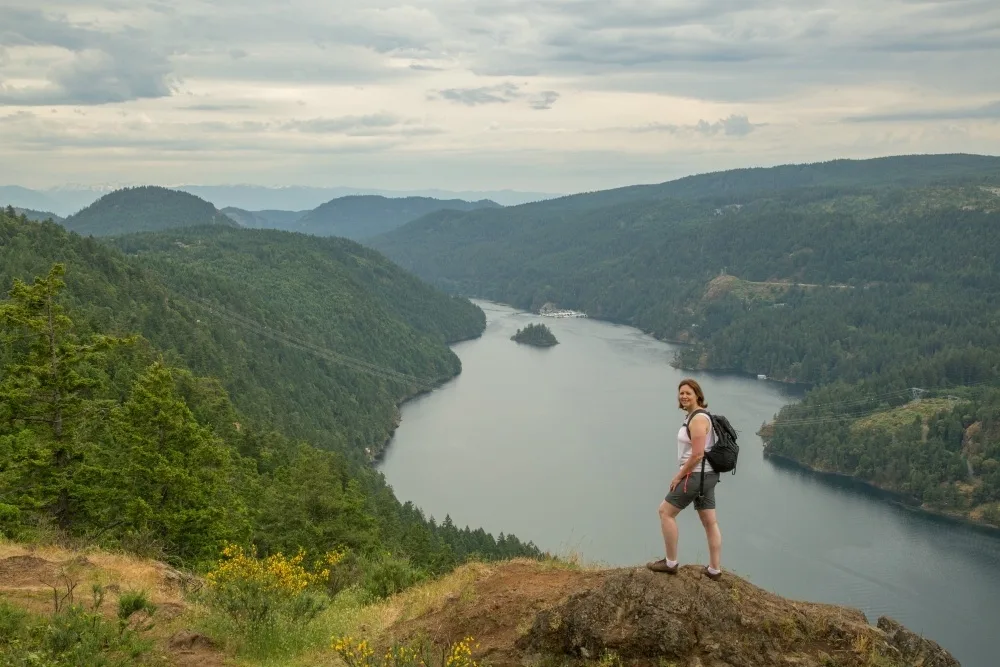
x,y
696,388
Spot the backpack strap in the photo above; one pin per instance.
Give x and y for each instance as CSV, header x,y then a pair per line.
x,y
687,425
701,488
699,411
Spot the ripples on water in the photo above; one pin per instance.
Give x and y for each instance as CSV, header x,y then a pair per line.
x,y
572,447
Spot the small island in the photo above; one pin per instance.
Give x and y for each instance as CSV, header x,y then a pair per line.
x,y
535,334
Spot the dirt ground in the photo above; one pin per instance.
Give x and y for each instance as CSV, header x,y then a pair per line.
x,y
496,606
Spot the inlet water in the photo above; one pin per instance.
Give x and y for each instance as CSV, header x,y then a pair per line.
x,y
572,447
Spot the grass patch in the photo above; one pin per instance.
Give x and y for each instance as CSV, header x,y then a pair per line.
x,y
744,290
282,611
904,415
76,637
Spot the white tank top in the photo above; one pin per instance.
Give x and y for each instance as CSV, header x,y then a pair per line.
x,y
684,446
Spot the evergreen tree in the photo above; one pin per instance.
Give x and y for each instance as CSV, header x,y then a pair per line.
x,y
47,379
171,478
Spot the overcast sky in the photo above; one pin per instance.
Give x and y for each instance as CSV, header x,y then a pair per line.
x,y
553,95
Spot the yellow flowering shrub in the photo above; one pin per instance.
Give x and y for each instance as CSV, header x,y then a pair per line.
x,y
460,654
256,591
277,573
356,653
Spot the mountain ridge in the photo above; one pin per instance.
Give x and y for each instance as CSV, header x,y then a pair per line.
x,y
37,216
143,209
358,217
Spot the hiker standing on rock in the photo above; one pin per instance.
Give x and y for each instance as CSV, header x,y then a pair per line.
x,y
695,437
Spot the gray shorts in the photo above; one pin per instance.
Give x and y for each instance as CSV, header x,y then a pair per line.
x,y
680,498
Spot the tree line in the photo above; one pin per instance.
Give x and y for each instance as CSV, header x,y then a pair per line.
x,y
107,438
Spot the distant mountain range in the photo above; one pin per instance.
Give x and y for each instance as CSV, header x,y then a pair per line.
x,y
66,200
355,217
154,208
264,219
299,198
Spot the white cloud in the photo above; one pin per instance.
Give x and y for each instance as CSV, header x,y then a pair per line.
x,y
554,94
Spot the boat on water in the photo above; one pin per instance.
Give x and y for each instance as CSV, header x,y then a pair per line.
x,y
550,310
563,313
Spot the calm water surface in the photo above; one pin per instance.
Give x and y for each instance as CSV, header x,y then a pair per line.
x,y
572,447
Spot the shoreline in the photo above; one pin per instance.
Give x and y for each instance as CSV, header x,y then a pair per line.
x,y
896,498
376,454
901,500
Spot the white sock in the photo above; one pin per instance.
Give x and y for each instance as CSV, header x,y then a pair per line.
x,y
671,563
712,570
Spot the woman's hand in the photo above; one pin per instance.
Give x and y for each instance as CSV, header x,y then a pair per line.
x,y
675,481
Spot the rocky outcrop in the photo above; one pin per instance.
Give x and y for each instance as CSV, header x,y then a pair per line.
x,y
641,616
912,648
523,613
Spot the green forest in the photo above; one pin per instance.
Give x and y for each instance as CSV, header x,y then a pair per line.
x,y
111,438
39,216
143,209
281,294
850,289
940,450
283,321
537,335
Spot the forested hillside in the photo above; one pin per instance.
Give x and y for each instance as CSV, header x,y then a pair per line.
x,y
106,436
38,216
363,216
737,185
862,290
940,450
247,317
818,285
141,209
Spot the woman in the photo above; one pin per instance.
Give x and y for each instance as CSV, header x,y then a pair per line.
x,y
687,484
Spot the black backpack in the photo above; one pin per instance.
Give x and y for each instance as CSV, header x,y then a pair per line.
x,y
724,451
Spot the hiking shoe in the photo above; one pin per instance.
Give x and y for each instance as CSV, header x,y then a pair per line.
x,y
713,577
661,566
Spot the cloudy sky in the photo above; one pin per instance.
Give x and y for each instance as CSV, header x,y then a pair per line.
x,y
553,95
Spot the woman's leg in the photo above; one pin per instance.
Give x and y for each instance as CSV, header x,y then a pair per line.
x,y
668,525
714,535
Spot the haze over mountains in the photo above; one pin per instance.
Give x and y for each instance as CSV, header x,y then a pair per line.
x,y
154,208
67,200
363,216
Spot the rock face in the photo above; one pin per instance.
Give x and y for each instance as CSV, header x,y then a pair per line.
x,y
521,613
690,620
914,649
